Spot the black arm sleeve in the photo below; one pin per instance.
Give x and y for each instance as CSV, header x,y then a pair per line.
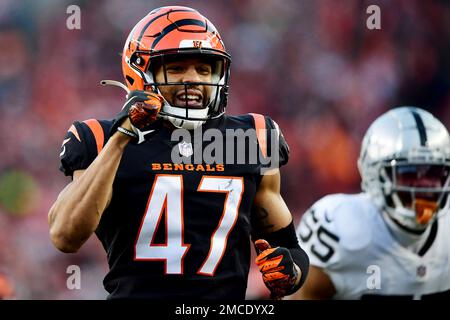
x,y
286,237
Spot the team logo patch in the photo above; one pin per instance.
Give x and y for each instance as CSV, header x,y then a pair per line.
x,y
185,149
195,44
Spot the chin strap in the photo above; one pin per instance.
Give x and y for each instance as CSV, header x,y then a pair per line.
x,y
114,83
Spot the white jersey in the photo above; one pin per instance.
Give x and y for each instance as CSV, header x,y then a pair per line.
x,y
347,237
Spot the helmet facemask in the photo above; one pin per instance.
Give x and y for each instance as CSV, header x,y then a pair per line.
x,y
405,166
414,193
184,111
213,92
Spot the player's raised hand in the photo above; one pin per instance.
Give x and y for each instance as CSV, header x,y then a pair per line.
x,y
142,108
278,269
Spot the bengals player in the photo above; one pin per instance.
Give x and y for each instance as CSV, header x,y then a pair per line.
x,y
182,233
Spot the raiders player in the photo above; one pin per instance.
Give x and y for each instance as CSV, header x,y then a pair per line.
x,y
391,240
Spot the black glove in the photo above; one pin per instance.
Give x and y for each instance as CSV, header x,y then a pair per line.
x,y
142,107
277,267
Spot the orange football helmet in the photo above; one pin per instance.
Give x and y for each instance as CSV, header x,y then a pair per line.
x,y
167,33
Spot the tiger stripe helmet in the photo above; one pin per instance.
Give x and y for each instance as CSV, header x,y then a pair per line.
x,y
173,31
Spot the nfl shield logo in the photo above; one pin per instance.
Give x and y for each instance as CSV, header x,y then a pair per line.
x,y
185,149
421,271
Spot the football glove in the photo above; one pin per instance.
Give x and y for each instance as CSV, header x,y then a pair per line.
x,y
278,269
142,108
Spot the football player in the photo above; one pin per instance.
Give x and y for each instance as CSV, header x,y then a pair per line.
x,y
391,240
176,230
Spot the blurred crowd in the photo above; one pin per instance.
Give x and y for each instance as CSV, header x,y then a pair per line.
x,y
313,66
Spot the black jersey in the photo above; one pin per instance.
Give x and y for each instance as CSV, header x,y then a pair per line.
x,y
176,230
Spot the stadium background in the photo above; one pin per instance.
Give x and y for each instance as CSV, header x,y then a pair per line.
x,y
313,66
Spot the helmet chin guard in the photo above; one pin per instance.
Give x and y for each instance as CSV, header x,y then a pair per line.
x,y
184,122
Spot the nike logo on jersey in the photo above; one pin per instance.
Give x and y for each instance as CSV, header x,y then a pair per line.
x,y
141,135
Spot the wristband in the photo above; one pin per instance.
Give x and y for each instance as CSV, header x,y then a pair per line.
x,y
127,132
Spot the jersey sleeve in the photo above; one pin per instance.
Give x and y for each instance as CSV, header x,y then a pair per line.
x,y
81,145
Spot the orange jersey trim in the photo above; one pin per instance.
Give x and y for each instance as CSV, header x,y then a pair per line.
x,y
97,130
260,126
